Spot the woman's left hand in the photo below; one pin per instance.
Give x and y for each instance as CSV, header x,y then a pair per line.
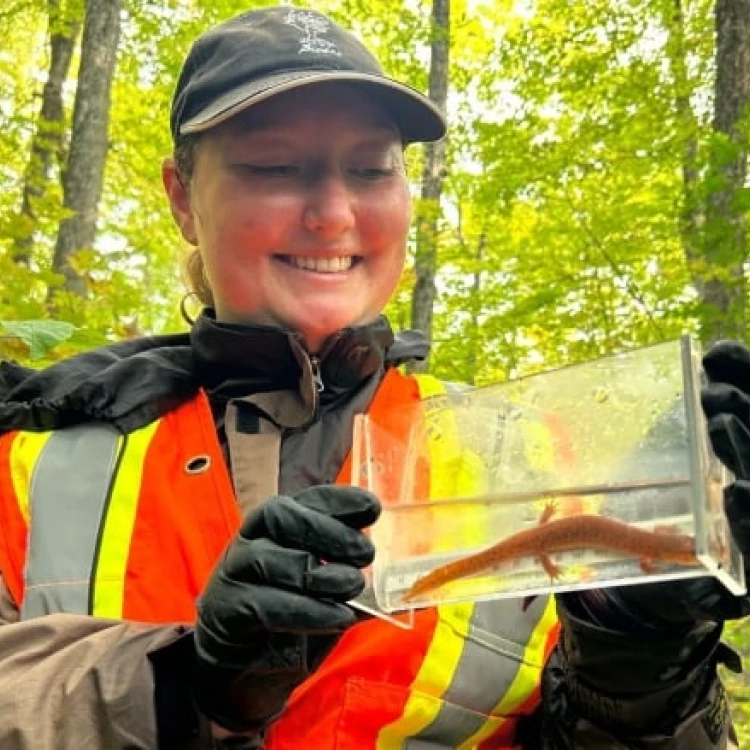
x,y
726,403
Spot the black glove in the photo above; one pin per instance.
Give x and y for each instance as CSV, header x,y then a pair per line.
x,y
275,604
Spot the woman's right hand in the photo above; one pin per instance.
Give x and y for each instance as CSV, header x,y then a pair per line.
x,y
275,604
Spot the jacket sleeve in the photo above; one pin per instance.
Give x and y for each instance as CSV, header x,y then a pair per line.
x,y
70,681
609,690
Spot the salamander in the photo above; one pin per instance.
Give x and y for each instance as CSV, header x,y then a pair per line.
x,y
575,532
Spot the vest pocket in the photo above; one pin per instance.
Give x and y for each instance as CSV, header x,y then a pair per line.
x,y
463,663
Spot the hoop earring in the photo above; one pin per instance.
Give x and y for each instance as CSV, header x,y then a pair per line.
x,y
186,316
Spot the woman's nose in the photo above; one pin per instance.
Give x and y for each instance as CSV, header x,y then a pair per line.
x,y
329,211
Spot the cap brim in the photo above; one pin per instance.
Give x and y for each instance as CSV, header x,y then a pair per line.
x,y
416,117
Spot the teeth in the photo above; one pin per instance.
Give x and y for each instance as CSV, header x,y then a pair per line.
x,y
322,265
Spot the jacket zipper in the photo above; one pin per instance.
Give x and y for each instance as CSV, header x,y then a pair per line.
x,y
317,377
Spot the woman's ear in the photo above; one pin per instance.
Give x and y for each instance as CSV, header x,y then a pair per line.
x,y
179,200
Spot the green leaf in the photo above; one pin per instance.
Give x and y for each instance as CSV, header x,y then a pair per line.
x,y
39,335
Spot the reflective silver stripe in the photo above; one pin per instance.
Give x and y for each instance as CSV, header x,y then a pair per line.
x,y
491,657
67,497
457,387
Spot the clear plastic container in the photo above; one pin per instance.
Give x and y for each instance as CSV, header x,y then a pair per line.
x,y
604,469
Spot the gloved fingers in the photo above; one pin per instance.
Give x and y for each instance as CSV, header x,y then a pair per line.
x,y
354,507
669,604
706,599
723,398
334,581
245,608
263,562
728,362
737,509
293,525
730,440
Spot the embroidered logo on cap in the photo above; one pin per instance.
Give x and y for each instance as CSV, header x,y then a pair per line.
x,y
312,26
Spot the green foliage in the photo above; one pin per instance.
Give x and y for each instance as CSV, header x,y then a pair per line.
x,y
565,167
738,685
39,337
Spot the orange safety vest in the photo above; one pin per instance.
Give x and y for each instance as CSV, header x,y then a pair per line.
x,y
130,527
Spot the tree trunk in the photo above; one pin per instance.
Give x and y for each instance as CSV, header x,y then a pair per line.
x,y
691,212
723,288
84,172
425,263
46,143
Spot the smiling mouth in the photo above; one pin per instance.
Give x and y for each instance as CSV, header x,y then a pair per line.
x,y
321,265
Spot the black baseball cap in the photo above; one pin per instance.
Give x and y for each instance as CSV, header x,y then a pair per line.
x,y
262,53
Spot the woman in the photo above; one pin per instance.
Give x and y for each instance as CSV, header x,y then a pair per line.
x,y
141,478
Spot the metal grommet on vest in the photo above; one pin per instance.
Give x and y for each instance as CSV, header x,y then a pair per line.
x,y
198,464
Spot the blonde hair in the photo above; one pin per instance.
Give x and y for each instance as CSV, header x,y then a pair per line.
x,y
196,278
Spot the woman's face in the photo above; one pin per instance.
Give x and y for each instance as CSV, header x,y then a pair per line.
x,y
300,208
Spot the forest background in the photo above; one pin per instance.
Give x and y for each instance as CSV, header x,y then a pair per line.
x,y
591,196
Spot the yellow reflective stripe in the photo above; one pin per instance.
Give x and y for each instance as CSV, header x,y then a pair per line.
x,y
434,676
24,453
446,646
526,680
454,470
117,526
429,385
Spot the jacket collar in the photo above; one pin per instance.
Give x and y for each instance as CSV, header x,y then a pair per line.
x,y
131,383
237,359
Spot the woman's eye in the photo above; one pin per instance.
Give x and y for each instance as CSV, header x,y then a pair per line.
x,y
272,170
372,173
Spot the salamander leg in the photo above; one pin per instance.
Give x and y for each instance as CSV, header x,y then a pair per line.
x,y
552,570
550,508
